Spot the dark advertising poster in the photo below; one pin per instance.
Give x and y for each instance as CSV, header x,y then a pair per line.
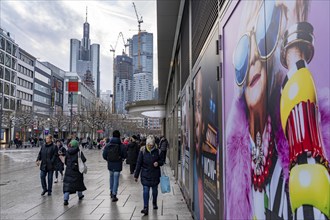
x,y
206,144
185,137
277,115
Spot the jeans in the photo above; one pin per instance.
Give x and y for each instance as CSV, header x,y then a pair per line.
x,y
50,180
114,181
67,195
146,190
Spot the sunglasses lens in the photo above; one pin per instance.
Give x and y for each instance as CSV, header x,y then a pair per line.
x,y
241,59
267,28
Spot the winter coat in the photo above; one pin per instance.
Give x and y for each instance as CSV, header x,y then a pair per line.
x,y
163,146
150,175
47,155
73,180
59,165
115,165
132,152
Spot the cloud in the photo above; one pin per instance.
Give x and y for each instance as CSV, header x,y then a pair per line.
x,y
44,28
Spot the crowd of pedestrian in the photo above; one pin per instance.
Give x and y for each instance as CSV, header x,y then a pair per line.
x,y
144,156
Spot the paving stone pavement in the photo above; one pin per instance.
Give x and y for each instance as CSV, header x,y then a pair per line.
x,y
20,190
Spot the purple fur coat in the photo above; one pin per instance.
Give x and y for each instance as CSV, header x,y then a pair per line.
x,y
238,170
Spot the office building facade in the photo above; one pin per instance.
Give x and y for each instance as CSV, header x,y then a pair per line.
x,y
141,51
123,83
8,72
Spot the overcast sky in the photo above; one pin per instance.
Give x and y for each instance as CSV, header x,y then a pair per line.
x,y
44,28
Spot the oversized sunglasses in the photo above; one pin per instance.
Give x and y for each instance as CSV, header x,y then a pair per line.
x,y
265,34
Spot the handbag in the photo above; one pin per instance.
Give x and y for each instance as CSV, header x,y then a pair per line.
x,y
165,185
81,164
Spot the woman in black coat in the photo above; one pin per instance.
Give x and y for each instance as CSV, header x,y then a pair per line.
x,y
59,165
132,153
148,164
73,180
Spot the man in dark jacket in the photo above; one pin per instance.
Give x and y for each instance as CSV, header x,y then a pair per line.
x,y
114,153
46,159
132,153
163,146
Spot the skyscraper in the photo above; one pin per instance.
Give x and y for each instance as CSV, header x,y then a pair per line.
x,y
141,51
86,57
123,81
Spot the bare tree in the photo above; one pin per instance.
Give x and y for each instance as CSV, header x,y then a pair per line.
x,y
24,119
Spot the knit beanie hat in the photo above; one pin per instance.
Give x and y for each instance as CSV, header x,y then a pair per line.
x,y
150,140
74,144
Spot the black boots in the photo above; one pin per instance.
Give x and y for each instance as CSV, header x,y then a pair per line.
x,y
114,198
144,211
154,204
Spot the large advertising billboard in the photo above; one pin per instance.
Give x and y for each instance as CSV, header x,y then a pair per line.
x,y
206,145
186,132
276,110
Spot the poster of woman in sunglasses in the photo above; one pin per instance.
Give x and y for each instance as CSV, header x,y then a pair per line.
x,y
277,114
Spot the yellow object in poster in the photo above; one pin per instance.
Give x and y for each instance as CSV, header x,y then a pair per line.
x,y
299,88
310,185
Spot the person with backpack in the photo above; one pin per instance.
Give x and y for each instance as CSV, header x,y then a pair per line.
x,y
163,146
114,153
133,150
148,166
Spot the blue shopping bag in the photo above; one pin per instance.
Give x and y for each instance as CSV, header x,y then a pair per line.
x,y
165,186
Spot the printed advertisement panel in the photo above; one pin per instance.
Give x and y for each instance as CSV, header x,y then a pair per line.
x,y
185,137
277,130
206,145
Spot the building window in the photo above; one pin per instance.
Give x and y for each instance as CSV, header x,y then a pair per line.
x,y
6,89
13,77
7,74
7,60
2,43
12,104
13,88
2,57
13,63
8,48
1,72
14,51
6,103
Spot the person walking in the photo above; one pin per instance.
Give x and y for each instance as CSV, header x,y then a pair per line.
x,y
73,180
163,146
132,153
148,166
46,160
59,165
114,153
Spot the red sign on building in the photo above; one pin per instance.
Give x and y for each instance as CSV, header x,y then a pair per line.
x,y
73,87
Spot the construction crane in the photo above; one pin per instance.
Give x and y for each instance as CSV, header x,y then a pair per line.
x,y
113,49
139,38
138,20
